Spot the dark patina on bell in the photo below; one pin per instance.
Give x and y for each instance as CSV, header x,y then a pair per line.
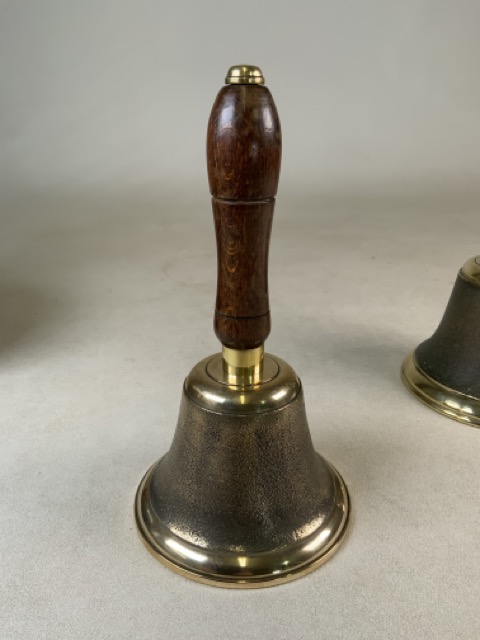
x,y
444,371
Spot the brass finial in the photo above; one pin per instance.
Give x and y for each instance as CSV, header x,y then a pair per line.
x,y
471,270
244,74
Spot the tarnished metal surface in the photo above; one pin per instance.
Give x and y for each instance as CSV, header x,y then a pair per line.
x,y
242,498
444,370
451,356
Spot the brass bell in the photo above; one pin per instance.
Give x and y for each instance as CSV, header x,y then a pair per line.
x,y
242,499
444,371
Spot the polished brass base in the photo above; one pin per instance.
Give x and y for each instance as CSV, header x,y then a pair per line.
x,y
243,569
446,401
242,499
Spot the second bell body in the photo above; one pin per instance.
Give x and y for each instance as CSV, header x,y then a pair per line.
x,y
444,371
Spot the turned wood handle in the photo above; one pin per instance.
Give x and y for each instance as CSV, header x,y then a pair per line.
x,y
243,156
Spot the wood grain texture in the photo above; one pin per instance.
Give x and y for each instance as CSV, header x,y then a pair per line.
x,y
242,317
243,154
244,144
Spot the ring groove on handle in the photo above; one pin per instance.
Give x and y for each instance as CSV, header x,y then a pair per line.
x,y
244,155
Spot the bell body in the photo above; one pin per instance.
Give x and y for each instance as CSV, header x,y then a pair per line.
x,y
242,499
444,371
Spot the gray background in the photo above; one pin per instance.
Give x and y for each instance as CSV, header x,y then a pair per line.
x,y
102,93
107,278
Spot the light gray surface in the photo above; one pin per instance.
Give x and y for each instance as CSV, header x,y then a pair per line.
x,y
119,91
106,303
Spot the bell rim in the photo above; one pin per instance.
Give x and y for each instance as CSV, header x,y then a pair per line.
x,y
274,577
442,399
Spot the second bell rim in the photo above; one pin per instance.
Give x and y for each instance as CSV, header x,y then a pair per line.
x,y
446,401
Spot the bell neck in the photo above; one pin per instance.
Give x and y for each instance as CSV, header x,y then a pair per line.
x,y
243,367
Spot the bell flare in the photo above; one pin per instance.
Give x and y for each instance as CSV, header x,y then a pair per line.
x,y
242,499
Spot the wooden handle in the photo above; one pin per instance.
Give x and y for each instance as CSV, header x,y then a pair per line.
x,y
243,155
